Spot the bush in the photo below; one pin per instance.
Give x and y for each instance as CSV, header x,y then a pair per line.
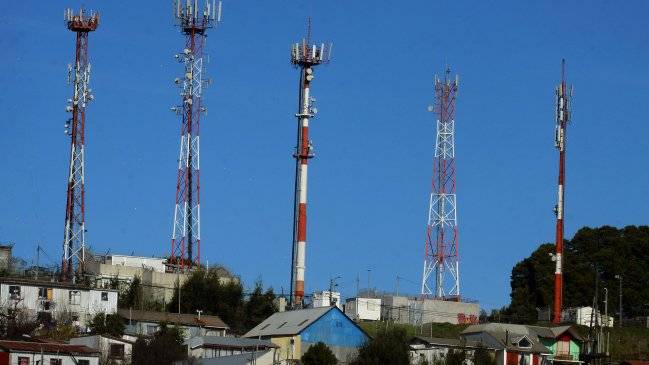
x,y
388,347
319,354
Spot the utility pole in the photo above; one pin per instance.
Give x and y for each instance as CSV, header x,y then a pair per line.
x,y
619,277
332,286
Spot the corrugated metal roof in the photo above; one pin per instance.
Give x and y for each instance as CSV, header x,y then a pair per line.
x,y
287,323
229,342
173,318
239,359
46,347
449,342
508,335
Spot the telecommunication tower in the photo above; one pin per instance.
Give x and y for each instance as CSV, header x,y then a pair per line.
x,y
304,55
74,241
442,260
562,119
186,234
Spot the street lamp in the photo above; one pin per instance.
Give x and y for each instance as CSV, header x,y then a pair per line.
x,y
619,277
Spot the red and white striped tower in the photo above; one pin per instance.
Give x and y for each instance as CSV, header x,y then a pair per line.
x,y
74,241
441,253
305,56
186,234
563,116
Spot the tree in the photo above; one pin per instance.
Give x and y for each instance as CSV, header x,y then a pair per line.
x,y
388,347
110,324
592,254
319,354
164,348
132,297
481,356
259,306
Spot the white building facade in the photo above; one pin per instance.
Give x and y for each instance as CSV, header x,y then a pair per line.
x,y
363,309
324,298
54,300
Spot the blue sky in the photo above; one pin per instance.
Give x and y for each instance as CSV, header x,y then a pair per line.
x,y
369,182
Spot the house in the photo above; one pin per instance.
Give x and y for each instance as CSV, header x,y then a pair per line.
x,y
417,310
230,350
32,353
435,350
564,343
295,331
115,350
363,309
48,300
248,358
140,323
514,344
324,299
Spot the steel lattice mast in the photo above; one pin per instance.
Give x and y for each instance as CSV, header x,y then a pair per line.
x,y
562,118
74,240
304,56
441,255
186,234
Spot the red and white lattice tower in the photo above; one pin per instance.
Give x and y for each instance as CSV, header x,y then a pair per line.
x,y
442,260
304,56
186,234
74,241
562,119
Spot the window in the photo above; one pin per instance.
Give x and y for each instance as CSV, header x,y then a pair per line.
x,y
116,351
83,362
151,329
104,296
23,360
563,348
303,322
282,325
56,362
265,326
75,297
14,291
42,293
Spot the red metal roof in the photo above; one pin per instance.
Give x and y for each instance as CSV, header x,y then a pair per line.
x,y
46,347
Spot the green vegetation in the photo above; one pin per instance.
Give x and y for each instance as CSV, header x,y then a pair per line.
x,y
607,251
387,347
205,291
319,354
164,348
109,324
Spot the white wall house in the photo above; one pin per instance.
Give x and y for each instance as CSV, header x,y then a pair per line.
x,y
33,353
113,350
363,309
46,299
323,299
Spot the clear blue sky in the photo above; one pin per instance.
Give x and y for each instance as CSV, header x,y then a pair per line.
x,y
369,182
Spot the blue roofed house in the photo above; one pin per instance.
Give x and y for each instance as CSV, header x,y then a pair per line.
x,y
295,331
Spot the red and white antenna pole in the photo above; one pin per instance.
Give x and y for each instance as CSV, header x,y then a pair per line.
x,y
563,116
441,251
186,234
305,56
74,242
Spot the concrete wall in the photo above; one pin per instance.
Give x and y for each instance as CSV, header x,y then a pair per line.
x,y
416,311
290,348
89,302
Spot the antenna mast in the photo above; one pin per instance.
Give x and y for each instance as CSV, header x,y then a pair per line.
x,y
186,233
562,118
441,253
74,237
304,56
